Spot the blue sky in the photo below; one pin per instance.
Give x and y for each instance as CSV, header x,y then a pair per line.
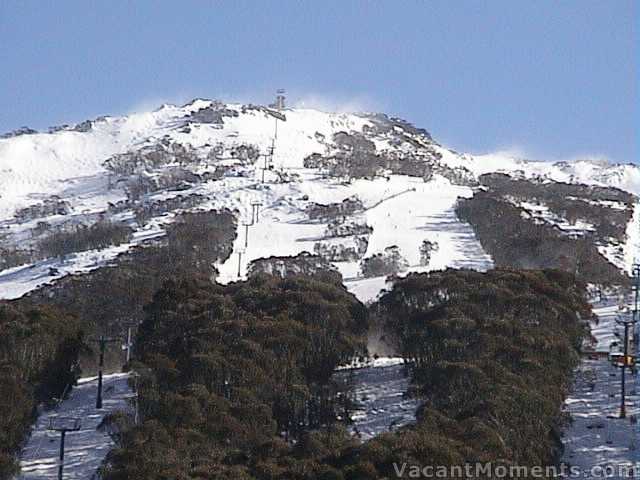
x,y
550,79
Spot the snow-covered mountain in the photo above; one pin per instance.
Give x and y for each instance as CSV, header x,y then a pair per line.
x,y
347,186
588,171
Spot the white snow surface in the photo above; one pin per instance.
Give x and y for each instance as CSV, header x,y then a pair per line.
x,y
588,171
379,391
403,211
35,166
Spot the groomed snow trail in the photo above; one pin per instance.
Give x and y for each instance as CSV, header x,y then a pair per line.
x,y
379,391
403,211
85,449
596,437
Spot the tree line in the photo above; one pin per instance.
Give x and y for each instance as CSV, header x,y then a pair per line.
x,y
514,240
236,380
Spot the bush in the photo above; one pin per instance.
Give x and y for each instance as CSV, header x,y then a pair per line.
x,y
571,202
11,257
333,211
426,249
231,369
390,262
81,238
493,355
303,264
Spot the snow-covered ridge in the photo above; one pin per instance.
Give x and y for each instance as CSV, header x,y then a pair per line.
x,y
33,166
220,153
589,172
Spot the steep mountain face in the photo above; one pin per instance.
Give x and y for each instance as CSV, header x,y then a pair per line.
x,y
369,194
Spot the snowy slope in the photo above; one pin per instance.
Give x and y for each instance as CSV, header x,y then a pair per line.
x,y
596,437
379,392
402,210
70,164
33,167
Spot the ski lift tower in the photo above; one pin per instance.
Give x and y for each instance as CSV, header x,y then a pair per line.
x,y
625,361
240,252
102,341
278,105
246,226
255,213
636,306
63,425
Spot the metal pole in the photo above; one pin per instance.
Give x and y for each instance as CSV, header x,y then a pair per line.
x,y
246,235
636,275
63,432
136,418
62,435
637,284
128,344
255,217
239,263
99,397
266,165
623,407
102,342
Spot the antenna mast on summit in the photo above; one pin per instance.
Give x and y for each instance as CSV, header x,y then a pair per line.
x,y
279,105
280,99
276,111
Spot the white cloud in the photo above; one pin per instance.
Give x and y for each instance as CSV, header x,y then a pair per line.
x,y
152,103
336,103
524,153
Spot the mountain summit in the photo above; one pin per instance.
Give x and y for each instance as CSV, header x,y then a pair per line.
x,y
361,191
